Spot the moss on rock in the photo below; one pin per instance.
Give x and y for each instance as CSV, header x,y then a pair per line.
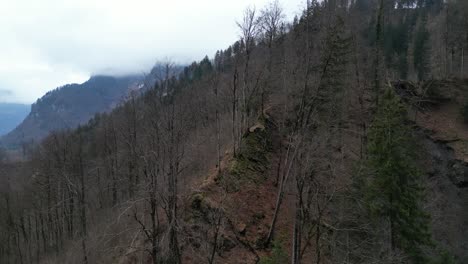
x,y
254,154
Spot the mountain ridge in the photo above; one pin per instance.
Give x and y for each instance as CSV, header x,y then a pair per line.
x,y
70,105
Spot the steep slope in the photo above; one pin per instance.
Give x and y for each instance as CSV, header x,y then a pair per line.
x,y
11,115
69,106
233,209
443,140
294,127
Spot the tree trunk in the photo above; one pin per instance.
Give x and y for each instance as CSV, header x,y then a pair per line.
x,y
218,129
378,32
462,68
279,198
82,204
234,112
296,250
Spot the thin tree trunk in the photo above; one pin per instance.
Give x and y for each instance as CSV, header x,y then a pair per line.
x,y
318,235
234,111
44,239
38,241
82,205
279,197
296,250
218,129
215,242
155,227
462,68
18,246
378,32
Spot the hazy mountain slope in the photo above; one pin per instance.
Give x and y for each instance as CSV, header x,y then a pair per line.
x,y
70,105
11,115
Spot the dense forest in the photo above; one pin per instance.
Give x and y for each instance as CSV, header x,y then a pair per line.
x,y
303,142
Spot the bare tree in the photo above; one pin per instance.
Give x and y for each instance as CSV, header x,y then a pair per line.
x,y
270,23
249,29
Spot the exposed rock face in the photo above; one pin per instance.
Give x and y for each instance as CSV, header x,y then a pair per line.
x,y
447,196
445,162
458,174
435,110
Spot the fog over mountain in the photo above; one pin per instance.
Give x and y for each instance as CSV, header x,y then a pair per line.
x,y
11,115
53,42
65,108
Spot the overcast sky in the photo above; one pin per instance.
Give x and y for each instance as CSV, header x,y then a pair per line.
x,y
48,43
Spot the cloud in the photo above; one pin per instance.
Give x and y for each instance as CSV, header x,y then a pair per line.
x,y
49,43
4,92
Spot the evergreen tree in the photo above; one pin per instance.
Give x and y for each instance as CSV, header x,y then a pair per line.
x,y
394,192
421,51
278,254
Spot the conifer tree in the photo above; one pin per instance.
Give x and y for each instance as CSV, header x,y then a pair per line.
x,y
394,192
421,50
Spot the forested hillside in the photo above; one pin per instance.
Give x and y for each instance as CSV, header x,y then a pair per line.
x,y
69,106
338,137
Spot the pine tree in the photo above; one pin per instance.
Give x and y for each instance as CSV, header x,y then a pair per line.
x,y
421,50
394,192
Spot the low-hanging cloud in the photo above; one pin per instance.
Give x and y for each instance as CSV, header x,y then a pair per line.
x,y
5,93
49,43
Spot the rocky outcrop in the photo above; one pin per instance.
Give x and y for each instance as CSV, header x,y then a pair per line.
x,y
445,162
447,195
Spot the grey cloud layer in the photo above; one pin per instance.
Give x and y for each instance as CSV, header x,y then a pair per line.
x,y
48,43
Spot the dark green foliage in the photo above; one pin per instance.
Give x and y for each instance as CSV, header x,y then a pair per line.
x,y
335,58
444,258
363,5
421,51
203,68
396,46
199,208
396,30
195,72
278,255
253,158
394,192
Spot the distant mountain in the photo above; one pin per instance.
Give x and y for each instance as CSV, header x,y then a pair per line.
x,y
71,105
11,115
